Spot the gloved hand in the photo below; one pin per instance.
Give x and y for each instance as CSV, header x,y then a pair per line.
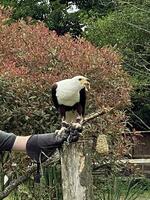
x,y
49,142
41,146
70,132
74,132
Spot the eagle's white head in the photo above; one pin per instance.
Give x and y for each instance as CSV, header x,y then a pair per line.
x,y
82,82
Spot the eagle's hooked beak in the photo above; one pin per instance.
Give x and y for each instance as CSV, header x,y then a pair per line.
x,y
86,84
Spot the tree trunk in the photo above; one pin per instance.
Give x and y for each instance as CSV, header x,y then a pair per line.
x,y
76,171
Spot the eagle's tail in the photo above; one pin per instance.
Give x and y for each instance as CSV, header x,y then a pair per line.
x,y
71,116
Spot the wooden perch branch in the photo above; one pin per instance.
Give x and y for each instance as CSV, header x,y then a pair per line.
x,y
97,114
14,183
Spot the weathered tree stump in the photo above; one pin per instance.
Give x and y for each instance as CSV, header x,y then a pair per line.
x,y
76,171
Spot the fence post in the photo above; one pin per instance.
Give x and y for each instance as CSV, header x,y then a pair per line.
x,y
77,182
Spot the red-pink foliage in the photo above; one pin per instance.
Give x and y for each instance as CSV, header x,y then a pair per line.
x,y
33,58
38,55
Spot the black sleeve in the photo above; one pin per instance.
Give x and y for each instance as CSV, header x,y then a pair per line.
x,y
6,141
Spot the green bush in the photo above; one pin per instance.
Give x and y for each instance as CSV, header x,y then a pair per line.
x,y
118,188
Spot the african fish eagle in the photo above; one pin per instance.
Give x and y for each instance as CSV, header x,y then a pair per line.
x,y
70,95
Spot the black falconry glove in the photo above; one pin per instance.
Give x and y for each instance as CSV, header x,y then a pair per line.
x,y
41,146
75,130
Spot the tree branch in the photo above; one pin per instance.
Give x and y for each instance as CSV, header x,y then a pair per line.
x,y
96,114
139,119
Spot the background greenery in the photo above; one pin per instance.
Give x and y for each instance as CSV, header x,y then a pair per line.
x,y
124,26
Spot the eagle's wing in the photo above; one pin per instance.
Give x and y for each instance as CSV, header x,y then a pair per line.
x,y
83,100
54,97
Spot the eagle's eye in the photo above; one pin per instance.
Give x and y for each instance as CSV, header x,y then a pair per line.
x,y
80,79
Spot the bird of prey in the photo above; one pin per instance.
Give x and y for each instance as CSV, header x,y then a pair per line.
x,y
69,98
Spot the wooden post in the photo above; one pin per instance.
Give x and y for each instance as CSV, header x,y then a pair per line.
x,y
76,171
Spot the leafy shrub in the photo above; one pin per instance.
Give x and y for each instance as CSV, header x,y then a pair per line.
x,y
32,58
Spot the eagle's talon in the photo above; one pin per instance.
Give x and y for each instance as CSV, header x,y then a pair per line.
x,y
79,119
68,139
67,142
77,126
80,134
57,131
65,124
61,131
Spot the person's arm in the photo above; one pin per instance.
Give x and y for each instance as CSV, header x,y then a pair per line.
x,y
39,146
20,143
9,141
